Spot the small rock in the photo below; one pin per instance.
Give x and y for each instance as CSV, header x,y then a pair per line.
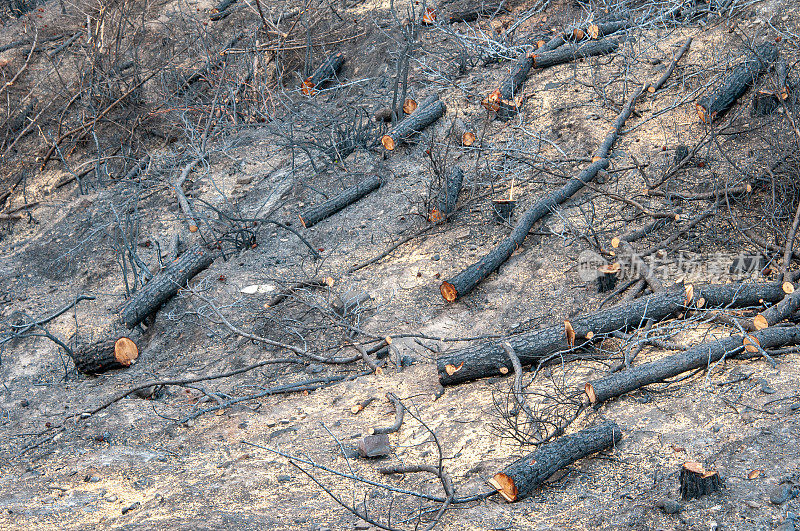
x,y
315,368
374,445
284,478
765,388
669,506
92,478
24,403
407,361
131,507
112,498
788,524
795,406
782,493
436,258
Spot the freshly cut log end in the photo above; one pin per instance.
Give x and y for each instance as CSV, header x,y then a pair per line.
x,y
615,242
704,115
695,481
125,351
589,390
570,333
788,288
452,369
409,106
448,291
521,478
760,322
751,344
105,355
388,142
468,138
308,87
430,16
504,486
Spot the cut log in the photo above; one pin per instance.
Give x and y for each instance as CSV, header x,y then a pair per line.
x,y
781,311
506,100
482,360
315,214
164,285
323,73
410,105
696,481
448,196
464,282
736,83
521,478
699,356
603,29
425,115
473,13
113,351
607,277
463,134
571,52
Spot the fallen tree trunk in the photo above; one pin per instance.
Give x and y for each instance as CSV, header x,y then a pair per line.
x,y
699,356
521,478
473,13
282,295
165,284
427,113
571,52
448,196
464,282
315,214
490,359
221,10
668,72
632,260
603,29
323,73
114,351
735,84
780,311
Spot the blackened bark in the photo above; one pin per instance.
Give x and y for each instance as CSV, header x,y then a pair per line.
x,y
487,359
736,83
473,13
696,481
521,478
323,73
165,284
571,52
315,214
106,353
603,29
699,356
415,122
448,196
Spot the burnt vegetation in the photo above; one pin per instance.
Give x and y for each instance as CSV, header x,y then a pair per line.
x,y
205,206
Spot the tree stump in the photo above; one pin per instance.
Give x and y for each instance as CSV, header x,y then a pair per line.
x,y
696,481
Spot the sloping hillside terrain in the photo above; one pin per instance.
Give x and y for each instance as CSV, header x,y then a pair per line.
x,y
138,133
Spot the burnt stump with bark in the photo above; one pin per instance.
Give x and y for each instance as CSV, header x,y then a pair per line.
x,y
696,481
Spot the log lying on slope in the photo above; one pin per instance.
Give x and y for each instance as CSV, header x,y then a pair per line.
x,y
427,113
783,310
735,84
165,284
571,52
448,196
598,30
521,478
105,354
490,359
315,214
472,14
699,356
323,73
464,282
